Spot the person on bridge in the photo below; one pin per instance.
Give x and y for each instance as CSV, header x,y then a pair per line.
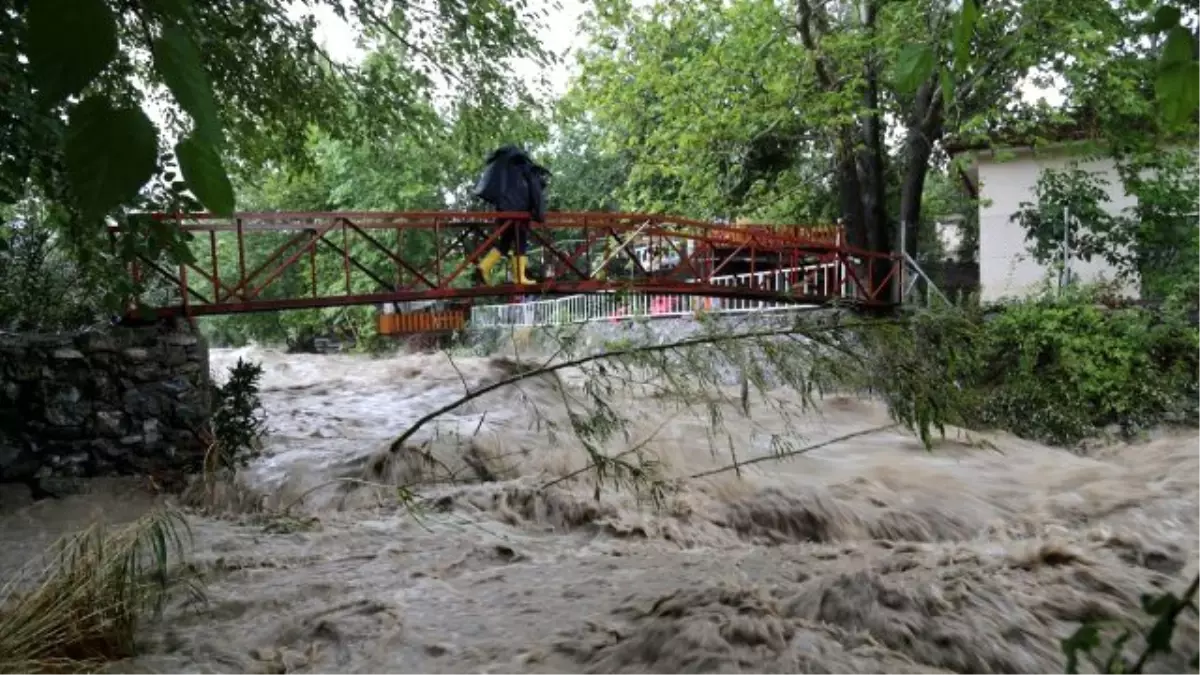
x,y
512,181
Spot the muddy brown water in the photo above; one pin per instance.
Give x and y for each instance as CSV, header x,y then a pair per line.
x,y
867,555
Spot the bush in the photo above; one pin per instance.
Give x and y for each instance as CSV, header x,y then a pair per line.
x,y
238,422
1061,370
1052,369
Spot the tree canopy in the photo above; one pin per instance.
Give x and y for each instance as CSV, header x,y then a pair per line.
x,y
775,110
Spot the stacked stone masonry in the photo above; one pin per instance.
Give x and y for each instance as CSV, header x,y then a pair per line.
x,y
121,401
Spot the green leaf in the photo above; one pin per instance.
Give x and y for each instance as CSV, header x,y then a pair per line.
x,y
1158,640
914,65
205,175
1157,605
947,83
963,31
1085,639
1165,18
70,43
1179,47
178,10
109,153
1178,89
178,62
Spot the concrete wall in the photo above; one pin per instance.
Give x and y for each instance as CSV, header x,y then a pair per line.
x,y
1005,266
114,402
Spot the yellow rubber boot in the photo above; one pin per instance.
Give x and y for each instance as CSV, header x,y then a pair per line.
x,y
486,264
519,277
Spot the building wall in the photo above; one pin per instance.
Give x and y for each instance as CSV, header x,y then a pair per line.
x,y
1005,267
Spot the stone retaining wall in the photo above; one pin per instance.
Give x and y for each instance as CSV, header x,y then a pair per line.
x,y
125,400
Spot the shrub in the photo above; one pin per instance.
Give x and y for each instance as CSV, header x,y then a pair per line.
x,y
1053,369
1060,370
238,422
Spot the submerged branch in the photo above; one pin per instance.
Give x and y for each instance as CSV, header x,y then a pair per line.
x,y
547,369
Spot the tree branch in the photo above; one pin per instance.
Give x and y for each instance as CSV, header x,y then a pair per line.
x,y
398,444
804,15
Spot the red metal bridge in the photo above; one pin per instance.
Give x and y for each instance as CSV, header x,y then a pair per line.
x,y
256,262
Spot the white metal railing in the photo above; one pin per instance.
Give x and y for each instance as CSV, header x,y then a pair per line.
x,y
820,280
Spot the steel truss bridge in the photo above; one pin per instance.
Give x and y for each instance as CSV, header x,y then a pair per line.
x,y
417,264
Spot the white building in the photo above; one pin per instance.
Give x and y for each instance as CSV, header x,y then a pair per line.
x,y
1006,177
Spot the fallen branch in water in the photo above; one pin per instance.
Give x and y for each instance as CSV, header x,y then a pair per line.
x,y
737,466
547,369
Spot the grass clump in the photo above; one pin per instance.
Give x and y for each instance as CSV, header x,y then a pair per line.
x,y
79,607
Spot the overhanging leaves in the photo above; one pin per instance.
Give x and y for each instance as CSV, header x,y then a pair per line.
x,y
205,175
110,153
963,30
1165,18
913,66
1179,47
1178,90
70,43
178,62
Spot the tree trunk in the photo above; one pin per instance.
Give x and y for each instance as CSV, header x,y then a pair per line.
x,y
912,187
872,167
924,129
849,191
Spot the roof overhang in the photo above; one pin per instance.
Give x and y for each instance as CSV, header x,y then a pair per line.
x,y
967,158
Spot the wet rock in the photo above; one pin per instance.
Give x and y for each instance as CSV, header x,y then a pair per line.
x,y
64,409
96,343
66,354
175,356
141,402
136,354
150,431
180,339
110,422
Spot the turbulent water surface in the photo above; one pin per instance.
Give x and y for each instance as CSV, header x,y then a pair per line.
x,y
866,555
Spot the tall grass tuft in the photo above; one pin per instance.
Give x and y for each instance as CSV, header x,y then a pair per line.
x,y
79,606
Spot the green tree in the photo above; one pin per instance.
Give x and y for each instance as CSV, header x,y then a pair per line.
x,y
239,83
744,106
427,165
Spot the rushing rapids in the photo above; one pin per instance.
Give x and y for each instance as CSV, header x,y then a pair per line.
x,y
866,555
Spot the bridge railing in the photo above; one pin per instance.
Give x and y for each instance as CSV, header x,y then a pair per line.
x,y
817,280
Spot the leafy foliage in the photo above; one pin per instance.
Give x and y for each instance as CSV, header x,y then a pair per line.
x,y
1166,609
238,421
779,111
236,85
42,287
1066,199
1056,369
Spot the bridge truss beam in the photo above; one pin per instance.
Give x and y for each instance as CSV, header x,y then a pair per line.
x,y
258,262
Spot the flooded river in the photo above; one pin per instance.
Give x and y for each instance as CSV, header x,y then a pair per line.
x,y
482,545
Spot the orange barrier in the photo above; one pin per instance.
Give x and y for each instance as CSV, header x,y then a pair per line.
x,y
421,322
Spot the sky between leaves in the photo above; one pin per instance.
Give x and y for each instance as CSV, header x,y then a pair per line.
x,y
561,38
